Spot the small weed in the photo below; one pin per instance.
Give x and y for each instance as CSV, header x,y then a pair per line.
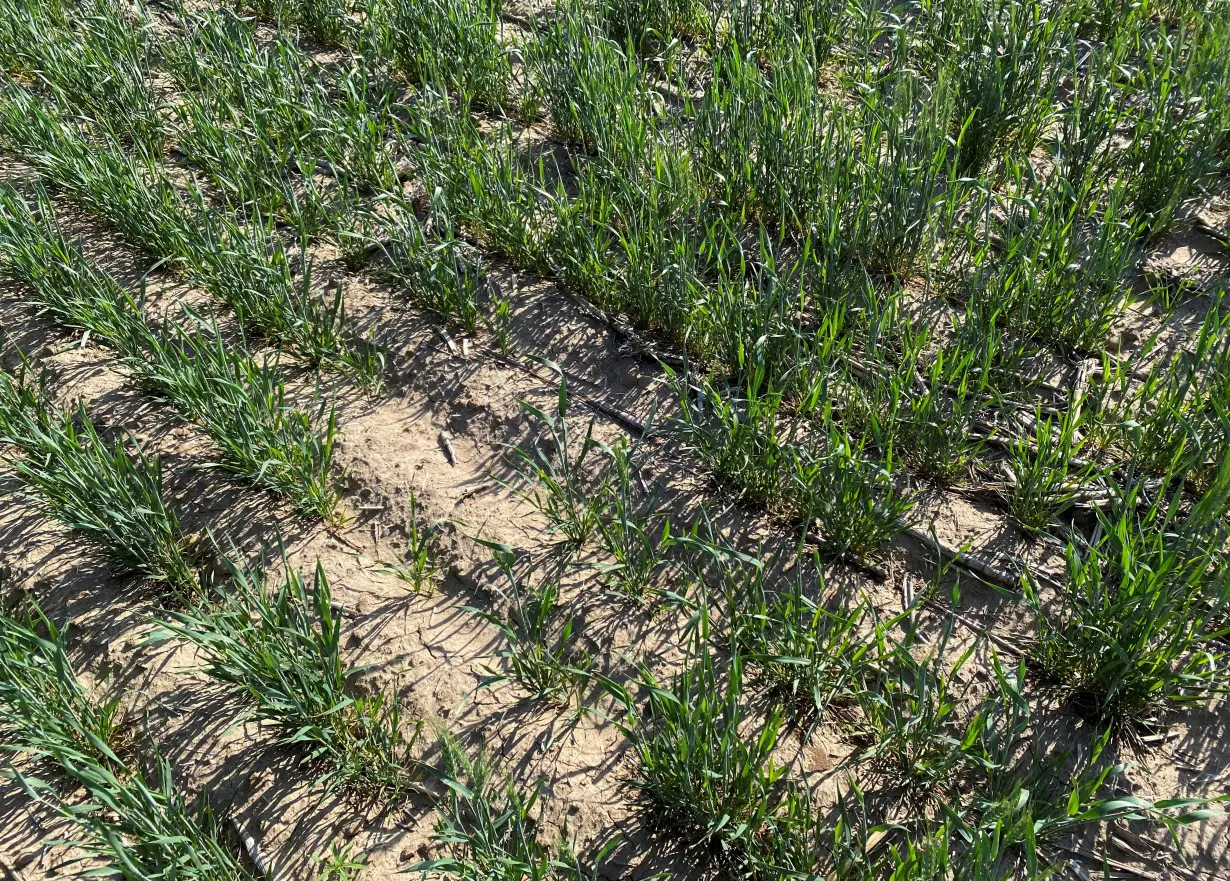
x,y
339,864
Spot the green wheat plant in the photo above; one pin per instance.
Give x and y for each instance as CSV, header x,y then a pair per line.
x,y
833,482
438,270
1178,126
420,565
553,475
1136,630
109,491
709,780
751,315
543,656
769,145
632,527
737,437
453,43
340,864
651,27
278,647
489,827
108,181
1083,148
1044,479
239,403
772,28
263,119
245,266
1001,55
93,56
923,408
903,173
328,22
143,828
250,270
1177,420
1056,268
911,716
591,90
482,183
62,281
812,659
44,709
1030,799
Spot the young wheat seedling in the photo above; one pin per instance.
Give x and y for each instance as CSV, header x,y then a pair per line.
x,y
111,492
278,646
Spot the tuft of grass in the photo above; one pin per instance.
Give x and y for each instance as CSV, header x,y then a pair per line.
x,y
737,437
456,44
554,473
245,266
110,492
278,646
847,493
91,55
1044,479
808,658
